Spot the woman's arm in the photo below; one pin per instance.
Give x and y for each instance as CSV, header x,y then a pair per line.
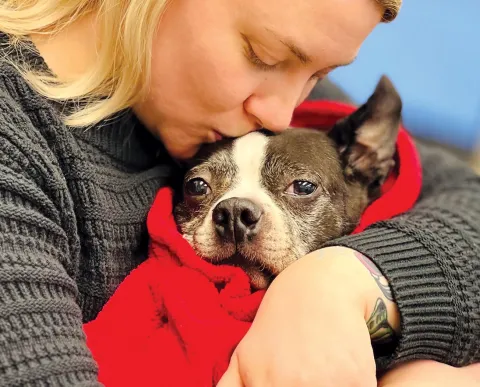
x,y
431,259
41,335
427,373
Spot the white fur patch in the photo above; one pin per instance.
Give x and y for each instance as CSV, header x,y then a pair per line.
x,y
273,248
248,155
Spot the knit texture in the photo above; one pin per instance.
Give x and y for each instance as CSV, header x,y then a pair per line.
x,y
73,206
431,257
187,315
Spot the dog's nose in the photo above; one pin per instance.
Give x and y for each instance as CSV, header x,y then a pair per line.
x,y
236,219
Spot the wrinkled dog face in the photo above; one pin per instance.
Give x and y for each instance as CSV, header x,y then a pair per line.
x,y
263,200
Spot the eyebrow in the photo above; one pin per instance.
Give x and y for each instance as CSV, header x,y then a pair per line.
x,y
301,55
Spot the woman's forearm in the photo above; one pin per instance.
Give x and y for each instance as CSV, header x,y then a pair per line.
x,y
431,258
382,316
427,373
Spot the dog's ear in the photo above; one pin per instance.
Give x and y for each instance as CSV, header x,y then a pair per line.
x,y
366,139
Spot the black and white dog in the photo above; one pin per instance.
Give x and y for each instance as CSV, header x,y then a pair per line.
x,y
264,200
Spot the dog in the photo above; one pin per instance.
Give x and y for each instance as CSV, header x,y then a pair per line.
x,y
266,199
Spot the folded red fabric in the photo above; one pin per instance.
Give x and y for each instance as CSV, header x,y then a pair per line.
x,y
176,319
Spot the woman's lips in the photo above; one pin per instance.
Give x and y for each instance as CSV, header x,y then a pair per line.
x,y
218,136
214,136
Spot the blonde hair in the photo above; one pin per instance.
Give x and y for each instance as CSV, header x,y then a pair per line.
x,y
121,77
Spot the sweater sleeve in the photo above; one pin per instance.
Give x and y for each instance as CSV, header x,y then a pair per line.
x,y
431,258
41,337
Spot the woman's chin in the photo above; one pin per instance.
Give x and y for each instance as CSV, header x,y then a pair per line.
x,y
181,151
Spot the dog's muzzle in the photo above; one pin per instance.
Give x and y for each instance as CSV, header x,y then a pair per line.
x,y
237,220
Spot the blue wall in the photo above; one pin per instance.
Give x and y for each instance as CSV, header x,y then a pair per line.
x,y
432,54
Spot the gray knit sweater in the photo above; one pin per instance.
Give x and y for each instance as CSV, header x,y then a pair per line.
x,y
73,205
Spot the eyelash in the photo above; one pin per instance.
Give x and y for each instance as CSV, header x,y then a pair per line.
x,y
256,61
317,77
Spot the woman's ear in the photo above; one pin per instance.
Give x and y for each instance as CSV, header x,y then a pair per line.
x,y
366,139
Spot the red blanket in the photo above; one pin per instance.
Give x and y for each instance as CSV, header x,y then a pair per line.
x,y
176,319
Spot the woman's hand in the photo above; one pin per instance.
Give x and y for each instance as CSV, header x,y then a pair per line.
x,y
427,373
311,326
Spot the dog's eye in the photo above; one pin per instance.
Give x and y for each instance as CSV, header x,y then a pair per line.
x,y
301,188
197,187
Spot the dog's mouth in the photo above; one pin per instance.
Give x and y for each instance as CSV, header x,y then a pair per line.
x,y
260,275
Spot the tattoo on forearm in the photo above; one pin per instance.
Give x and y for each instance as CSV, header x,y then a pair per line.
x,y
377,275
381,333
378,326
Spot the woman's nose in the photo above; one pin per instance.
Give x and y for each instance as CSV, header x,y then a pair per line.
x,y
273,112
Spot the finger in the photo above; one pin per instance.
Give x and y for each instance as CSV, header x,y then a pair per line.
x,y
231,378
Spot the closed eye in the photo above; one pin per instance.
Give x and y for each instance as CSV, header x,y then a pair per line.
x,y
254,59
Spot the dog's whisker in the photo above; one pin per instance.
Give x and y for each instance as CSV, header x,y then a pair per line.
x,y
203,234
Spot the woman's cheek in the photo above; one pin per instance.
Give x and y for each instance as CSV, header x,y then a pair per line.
x,y
233,84
307,90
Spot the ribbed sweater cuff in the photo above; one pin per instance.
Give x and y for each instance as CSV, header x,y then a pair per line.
x,y
427,323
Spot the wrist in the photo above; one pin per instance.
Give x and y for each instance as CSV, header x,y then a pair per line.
x,y
382,297
336,271
353,277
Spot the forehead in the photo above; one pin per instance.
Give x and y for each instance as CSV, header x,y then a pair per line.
x,y
244,155
302,153
328,30
256,156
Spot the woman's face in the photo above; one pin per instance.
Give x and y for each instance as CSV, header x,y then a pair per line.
x,y
227,67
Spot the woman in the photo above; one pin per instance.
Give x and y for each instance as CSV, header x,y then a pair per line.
x,y
79,173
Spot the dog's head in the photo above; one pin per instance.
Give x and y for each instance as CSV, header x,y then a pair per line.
x,y
264,200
